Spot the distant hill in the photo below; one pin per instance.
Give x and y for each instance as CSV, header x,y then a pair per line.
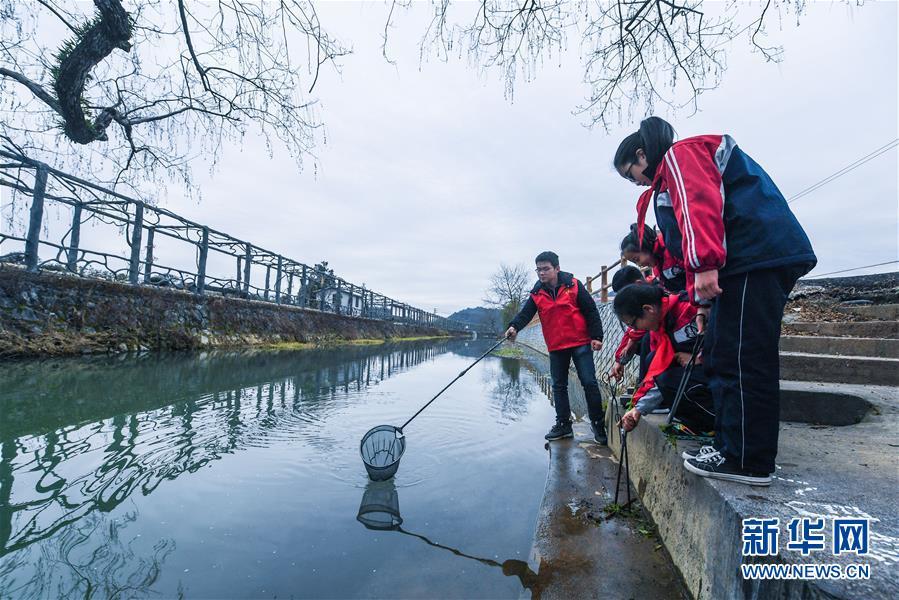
x,y
479,316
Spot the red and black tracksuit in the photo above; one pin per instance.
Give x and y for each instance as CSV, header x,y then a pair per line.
x,y
677,333
570,320
719,210
667,272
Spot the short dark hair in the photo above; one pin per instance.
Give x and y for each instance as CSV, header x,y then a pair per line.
x,y
629,302
631,242
626,276
548,256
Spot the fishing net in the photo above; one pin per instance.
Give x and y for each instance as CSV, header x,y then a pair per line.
x,y
381,449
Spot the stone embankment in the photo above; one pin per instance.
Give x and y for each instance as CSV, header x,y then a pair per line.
x,y
47,314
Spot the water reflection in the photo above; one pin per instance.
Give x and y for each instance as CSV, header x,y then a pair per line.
x,y
540,367
105,557
150,420
380,511
93,453
507,389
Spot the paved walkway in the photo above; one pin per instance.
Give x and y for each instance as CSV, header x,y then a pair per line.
x,y
582,552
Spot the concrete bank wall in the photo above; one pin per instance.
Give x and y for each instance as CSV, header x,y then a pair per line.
x,y
47,314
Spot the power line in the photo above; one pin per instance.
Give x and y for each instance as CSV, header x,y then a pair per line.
x,y
889,262
846,169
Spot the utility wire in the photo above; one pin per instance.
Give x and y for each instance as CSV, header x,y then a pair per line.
x,y
889,262
844,170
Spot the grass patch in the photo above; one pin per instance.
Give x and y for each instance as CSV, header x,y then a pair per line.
x,y
509,352
421,337
669,435
634,514
290,346
330,341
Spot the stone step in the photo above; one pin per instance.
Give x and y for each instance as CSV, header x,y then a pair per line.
x,y
804,366
887,312
864,329
843,346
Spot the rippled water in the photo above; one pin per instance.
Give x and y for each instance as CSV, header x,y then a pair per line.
x,y
238,474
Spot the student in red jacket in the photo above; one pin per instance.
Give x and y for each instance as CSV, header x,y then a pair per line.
x,y
649,250
633,342
671,322
743,251
573,331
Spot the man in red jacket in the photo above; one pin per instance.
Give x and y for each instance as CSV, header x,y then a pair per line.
x,y
573,331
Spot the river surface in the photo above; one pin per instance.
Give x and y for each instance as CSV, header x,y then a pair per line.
x,y
237,474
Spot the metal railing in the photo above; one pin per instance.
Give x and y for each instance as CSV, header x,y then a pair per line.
x,y
144,227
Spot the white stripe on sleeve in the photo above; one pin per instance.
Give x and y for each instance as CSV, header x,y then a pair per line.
x,y
690,236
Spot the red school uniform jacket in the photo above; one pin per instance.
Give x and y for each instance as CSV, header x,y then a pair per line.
x,y
725,210
676,333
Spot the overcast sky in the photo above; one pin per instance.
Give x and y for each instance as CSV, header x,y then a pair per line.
x,y
431,177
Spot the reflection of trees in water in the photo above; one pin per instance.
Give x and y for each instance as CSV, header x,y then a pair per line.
x,y
77,391
539,366
509,391
136,438
93,558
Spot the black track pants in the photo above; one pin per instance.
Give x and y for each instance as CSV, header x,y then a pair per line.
x,y
742,364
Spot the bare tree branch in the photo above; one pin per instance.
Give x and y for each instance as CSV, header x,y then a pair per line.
x,y
185,82
635,52
34,88
92,45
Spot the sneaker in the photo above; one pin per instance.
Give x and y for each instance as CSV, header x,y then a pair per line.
x,y
716,467
699,453
559,431
599,433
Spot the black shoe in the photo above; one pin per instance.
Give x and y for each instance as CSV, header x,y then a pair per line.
x,y
599,433
559,431
716,467
700,452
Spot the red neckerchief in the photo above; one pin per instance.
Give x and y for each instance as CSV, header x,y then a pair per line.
x,y
643,203
642,207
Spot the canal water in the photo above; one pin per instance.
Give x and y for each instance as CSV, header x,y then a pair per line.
x,y
237,474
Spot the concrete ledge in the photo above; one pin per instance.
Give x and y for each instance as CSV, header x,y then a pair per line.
x,y
580,552
888,312
822,472
844,346
801,366
865,329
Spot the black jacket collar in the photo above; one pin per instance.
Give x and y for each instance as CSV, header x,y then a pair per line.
x,y
565,279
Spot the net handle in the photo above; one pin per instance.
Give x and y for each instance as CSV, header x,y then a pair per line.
x,y
685,377
480,358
